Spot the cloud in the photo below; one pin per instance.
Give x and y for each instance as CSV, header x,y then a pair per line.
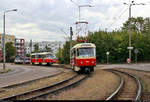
x,y
42,20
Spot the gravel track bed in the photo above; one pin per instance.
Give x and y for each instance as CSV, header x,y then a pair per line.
x,y
129,89
145,80
74,80
37,84
98,86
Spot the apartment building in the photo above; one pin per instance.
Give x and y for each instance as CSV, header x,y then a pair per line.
x,y
20,47
53,45
8,38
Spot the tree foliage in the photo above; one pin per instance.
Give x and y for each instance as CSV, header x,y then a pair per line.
x,y
36,48
116,42
10,51
48,49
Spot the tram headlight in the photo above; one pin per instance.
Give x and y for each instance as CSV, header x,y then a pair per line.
x,y
92,62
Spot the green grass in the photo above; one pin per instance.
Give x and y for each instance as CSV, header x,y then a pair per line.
x,y
5,71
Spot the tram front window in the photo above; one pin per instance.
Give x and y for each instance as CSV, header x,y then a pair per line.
x,y
86,52
49,56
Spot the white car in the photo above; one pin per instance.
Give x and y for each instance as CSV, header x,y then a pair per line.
x,y
27,60
18,60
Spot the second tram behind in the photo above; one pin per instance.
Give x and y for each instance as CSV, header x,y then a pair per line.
x,y
83,57
42,58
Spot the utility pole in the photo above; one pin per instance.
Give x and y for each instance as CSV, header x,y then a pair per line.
x,y
129,30
71,33
4,42
31,45
129,33
59,52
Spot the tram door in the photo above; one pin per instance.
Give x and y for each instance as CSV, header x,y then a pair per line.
x,y
73,58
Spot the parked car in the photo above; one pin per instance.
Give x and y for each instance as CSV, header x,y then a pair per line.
x,y
18,60
27,60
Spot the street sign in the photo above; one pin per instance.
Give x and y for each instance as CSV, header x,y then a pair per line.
x,y
136,51
130,48
107,53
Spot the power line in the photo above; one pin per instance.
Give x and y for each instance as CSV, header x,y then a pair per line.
x,y
118,17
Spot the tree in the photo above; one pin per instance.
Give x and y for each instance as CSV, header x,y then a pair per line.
x,y
136,24
28,55
147,26
10,51
59,54
48,49
36,48
64,54
116,42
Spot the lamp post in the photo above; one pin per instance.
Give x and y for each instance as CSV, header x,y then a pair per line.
x,y
4,60
131,4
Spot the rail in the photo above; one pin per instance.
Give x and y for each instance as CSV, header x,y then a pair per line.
x,y
118,89
14,97
139,91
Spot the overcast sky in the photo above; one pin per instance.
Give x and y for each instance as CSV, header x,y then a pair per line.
x,y
49,20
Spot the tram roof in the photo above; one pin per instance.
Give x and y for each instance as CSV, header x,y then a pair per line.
x,y
42,53
84,45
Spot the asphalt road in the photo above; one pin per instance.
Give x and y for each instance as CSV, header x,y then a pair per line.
x,y
22,73
140,66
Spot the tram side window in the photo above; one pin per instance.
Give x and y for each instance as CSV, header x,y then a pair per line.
x,y
43,56
49,56
33,56
39,56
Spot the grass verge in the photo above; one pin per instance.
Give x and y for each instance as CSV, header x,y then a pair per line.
x,y
4,71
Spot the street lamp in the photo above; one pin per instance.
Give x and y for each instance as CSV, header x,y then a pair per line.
x,y
79,6
4,36
131,4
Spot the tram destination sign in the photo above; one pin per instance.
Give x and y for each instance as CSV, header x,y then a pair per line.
x,y
85,45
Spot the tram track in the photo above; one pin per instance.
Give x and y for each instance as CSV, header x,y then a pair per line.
x,y
124,92
34,80
33,84
144,77
32,94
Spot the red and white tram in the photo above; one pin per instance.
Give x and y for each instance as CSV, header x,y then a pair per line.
x,y
42,58
83,57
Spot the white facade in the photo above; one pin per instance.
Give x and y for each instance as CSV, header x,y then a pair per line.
x,y
19,43
54,45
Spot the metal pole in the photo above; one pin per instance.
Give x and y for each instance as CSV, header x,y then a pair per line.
x,y
31,45
130,32
4,42
79,13
59,51
71,33
136,58
107,59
